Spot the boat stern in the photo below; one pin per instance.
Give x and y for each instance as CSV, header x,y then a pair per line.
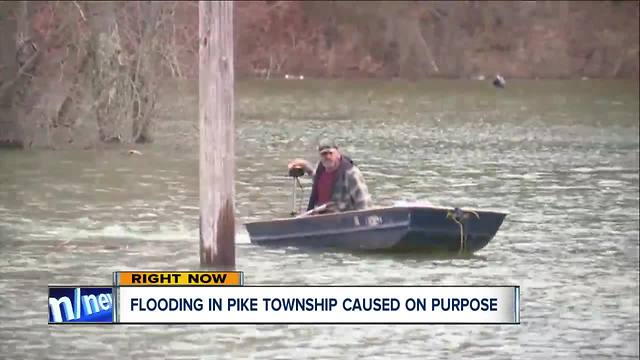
x,y
442,230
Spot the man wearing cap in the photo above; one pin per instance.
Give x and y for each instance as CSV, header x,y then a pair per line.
x,y
336,181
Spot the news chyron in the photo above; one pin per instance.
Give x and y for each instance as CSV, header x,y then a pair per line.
x,y
81,305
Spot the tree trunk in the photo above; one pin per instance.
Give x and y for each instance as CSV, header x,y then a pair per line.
x,y
143,78
10,130
217,164
107,83
23,20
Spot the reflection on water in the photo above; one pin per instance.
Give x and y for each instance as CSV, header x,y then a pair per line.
x,y
560,157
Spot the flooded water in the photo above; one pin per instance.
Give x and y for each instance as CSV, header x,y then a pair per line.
x,y
561,157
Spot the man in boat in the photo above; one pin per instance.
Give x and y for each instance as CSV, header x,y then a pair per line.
x,y
337,182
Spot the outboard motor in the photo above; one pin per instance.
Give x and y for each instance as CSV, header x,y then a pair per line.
x,y
295,173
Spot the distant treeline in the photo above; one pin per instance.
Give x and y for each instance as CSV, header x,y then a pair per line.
x,y
62,63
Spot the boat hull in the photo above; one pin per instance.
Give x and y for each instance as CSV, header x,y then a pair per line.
x,y
396,229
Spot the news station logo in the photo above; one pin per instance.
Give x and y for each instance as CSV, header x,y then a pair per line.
x,y
80,305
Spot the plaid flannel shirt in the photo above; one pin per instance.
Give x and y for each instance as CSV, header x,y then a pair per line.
x,y
350,191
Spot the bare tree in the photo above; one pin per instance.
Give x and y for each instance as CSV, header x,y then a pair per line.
x,y
124,55
10,132
144,74
19,59
107,81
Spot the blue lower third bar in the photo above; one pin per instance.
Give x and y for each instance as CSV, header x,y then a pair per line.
x,y
78,304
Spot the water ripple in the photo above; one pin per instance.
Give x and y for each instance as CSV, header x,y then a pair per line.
x,y
568,178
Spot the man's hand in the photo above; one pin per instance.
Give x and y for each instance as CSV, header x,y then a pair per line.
x,y
301,164
298,163
330,207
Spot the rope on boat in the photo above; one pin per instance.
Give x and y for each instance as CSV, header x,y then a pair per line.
x,y
462,237
458,215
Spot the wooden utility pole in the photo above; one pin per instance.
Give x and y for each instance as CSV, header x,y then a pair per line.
x,y
217,164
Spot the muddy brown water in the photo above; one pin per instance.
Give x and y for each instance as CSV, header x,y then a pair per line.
x,y
560,156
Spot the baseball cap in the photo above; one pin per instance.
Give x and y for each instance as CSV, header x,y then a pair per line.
x,y
326,144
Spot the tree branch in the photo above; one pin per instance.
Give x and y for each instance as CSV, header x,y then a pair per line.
x,y
8,85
